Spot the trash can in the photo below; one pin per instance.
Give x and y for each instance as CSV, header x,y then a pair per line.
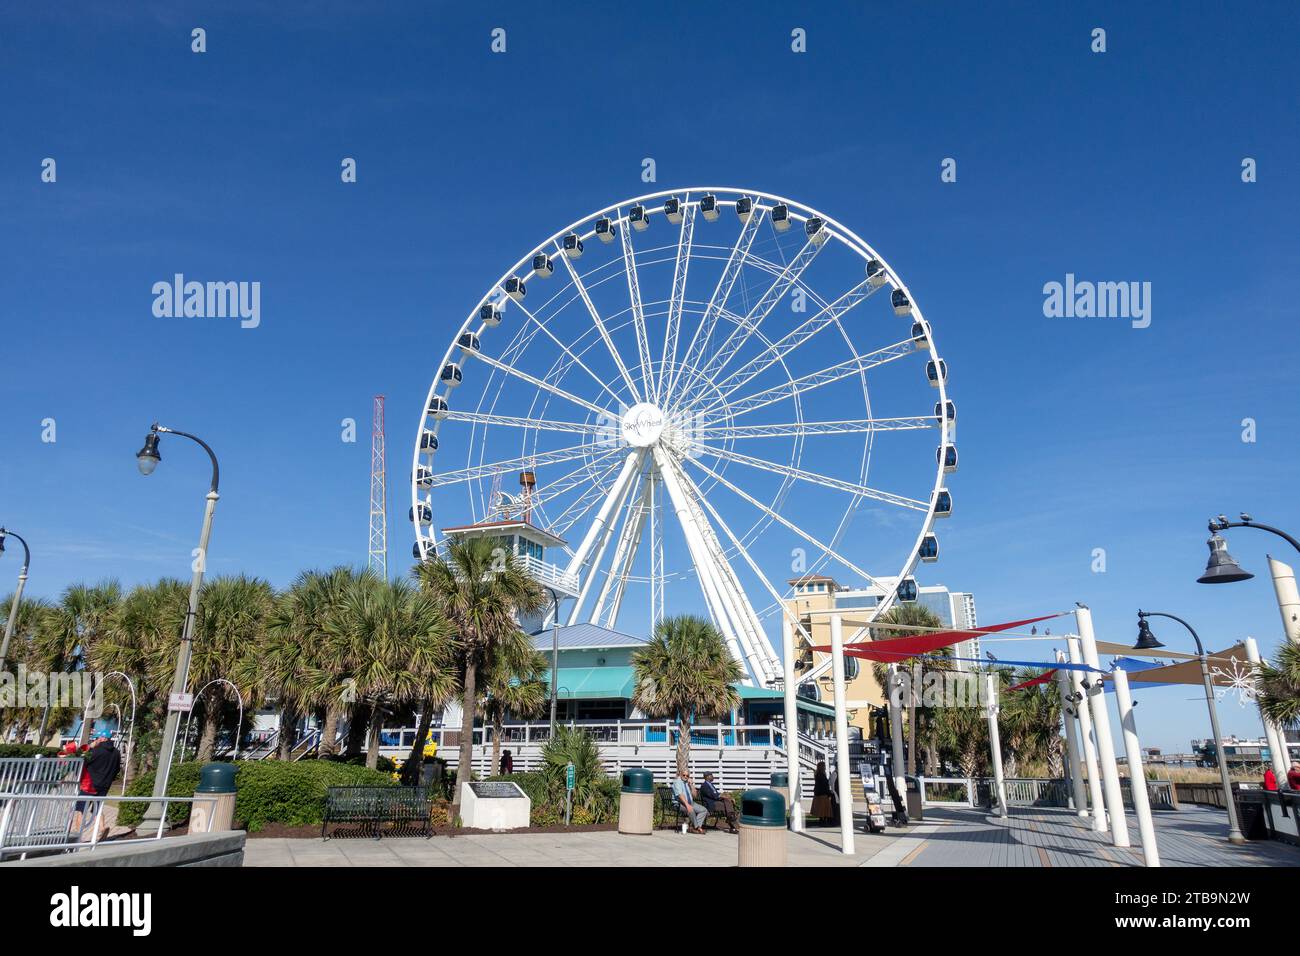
x,y
781,784
762,829
216,780
914,805
636,802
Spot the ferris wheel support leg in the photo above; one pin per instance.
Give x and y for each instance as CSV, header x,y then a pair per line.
x,y
748,629
602,526
699,555
628,544
1099,823
844,779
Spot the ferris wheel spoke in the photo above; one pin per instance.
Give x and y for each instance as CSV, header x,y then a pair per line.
x,y
600,325
461,475
629,540
576,509
813,380
730,273
514,421
685,240
849,427
638,313
835,484
782,520
539,383
762,309
573,359
780,349
558,487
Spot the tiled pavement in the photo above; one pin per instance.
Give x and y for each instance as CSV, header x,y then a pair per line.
x,y
947,837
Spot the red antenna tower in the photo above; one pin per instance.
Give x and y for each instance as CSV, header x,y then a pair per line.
x,y
378,558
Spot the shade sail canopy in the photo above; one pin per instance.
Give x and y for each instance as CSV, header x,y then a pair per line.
x,y
898,648
1223,666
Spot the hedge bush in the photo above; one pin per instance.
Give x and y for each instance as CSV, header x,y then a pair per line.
x,y
548,799
27,750
268,791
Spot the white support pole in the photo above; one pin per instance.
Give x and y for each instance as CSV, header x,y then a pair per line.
x,y
1101,725
995,743
624,552
1288,597
791,723
1099,823
601,527
845,780
598,560
896,728
1276,737
1070,720
1136,775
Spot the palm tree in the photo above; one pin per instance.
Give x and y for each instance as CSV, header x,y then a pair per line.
x,y
911,616
685,672
1279,686
517,686
481,587
228,637
296,646
31,612
394,640
66,638
1032,718
573,745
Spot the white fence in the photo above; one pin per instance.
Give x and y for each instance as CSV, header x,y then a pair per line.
x,y
51,822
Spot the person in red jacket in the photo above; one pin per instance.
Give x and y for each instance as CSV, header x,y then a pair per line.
x,y
1293,777
1270,779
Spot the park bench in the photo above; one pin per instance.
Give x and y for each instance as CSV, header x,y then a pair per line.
x,y
404,808
672,810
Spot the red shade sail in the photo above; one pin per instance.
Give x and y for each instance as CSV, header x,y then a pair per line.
x,y
898,648
1042,678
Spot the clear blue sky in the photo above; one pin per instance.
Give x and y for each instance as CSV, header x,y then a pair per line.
x,y
1075,433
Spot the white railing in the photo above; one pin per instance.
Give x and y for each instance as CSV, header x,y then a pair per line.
x,y
546,573
43,822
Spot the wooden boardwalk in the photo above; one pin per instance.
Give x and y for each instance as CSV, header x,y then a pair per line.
x,y
1048,836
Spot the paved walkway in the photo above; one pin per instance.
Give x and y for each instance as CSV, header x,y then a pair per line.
x,y
1191,836
946,837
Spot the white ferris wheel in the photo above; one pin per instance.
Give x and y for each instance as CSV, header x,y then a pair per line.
x,y
698,402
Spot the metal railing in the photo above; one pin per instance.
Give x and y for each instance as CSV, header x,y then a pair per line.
x,y
546,573
1027,792
46,822
15,772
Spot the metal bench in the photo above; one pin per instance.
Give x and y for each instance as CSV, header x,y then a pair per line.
x,y
402,807
669,806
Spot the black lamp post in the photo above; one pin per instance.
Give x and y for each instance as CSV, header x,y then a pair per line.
x,y
11,621
1147,641
148,458
1221,568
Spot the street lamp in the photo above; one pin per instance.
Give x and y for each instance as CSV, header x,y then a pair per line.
x,y
148,458
18,594
1221,568
1147,641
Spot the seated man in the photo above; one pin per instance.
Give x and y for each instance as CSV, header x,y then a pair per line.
x,y
718,802
695,813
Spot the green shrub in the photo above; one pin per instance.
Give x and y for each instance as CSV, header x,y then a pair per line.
x,y
547,795
268,791
27,750
384,764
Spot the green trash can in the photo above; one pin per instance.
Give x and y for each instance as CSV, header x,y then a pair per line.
x,y
213,809
636,802
762,829
781,784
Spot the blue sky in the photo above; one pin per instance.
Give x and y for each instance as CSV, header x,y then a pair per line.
x,y
1075,433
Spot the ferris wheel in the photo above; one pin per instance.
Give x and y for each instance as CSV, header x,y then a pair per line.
x,y
698,402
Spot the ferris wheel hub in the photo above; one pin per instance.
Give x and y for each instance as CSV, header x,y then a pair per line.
x,y
642,425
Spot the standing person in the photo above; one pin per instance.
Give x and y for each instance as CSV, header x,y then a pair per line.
x,y
103,761
823,808
1270,779
718,802
695,813
1293,777
507,763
